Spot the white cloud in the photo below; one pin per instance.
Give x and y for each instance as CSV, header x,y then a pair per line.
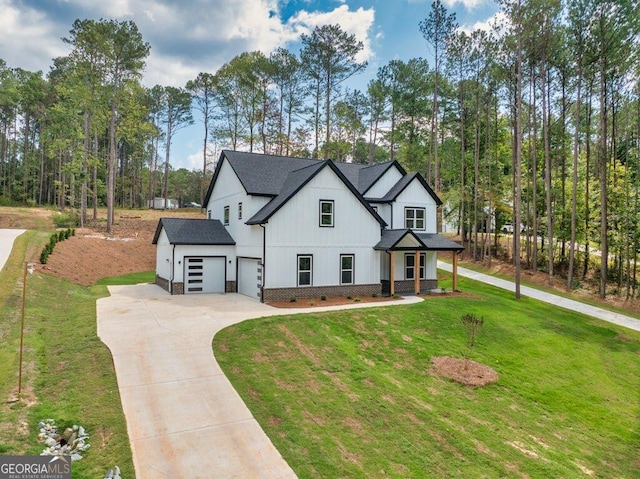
x,y
468,4
496,21
185,37
26,38
357,23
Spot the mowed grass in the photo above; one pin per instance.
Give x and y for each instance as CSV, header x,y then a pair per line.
x,y
352,394
68,373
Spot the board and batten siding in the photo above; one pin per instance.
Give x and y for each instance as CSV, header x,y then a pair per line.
x,y
415,196
295,230
228,191
382,186
164,256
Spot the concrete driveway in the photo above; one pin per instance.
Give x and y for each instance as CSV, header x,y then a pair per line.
x,y
7,237
184,418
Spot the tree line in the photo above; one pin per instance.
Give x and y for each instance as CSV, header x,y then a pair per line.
x,y
533,124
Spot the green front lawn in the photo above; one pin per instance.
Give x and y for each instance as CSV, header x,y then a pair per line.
x,y
68,373
352,394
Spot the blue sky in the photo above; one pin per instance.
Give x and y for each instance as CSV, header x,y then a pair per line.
x,y
192,36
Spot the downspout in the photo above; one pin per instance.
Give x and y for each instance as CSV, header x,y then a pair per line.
x,y
173,262
264,258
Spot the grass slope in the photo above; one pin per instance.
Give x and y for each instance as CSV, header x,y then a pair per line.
x,y
350,394
68,373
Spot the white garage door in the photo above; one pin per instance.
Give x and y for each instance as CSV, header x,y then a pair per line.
x,y
204,275
249,277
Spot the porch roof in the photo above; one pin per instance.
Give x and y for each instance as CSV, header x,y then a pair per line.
x,y
409,240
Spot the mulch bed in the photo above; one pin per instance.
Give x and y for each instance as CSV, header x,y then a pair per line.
x,y
464,371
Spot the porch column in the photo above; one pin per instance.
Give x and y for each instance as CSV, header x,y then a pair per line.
x,y
416,273
455,271
392,279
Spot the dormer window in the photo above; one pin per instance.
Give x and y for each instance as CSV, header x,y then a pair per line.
x,y
414,218
326,213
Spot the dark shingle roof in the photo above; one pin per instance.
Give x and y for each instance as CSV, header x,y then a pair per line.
x,y
292,184
295,181
391,238
264,175
399,187
261,175
428,241
192,231
436,242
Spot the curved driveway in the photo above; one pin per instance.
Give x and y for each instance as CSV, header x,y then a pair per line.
x,y
183,416
7,237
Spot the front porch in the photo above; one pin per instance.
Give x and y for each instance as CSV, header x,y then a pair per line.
x,y
409,261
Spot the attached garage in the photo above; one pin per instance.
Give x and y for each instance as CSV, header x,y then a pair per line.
x,y
249,277
204,274
194,256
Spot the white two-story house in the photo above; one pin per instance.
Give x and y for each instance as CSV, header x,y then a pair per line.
x,y
281,227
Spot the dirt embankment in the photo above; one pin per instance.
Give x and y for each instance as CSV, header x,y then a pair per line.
x,y
93,253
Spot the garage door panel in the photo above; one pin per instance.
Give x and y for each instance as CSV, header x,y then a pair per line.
x,y
249,277
204,275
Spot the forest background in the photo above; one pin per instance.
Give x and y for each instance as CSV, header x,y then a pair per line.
x,y
532,127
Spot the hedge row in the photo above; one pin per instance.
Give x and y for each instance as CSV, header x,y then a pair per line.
x,y
53,239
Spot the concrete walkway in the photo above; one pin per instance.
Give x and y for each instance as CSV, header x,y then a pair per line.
x,y
183,416
556,300
7,237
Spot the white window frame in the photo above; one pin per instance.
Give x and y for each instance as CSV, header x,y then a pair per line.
x,y
329,215
349,270
411,220
240,210
305,271
225,215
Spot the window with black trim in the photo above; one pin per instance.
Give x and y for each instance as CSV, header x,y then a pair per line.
x,y
414,218
346,268
410,265
226,215
374,208
305,270
326,213
240,210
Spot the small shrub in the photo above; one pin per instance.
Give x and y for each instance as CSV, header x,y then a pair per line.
x,y
374,295
293,299
44,256
472,325
66,220
349,297
396,296
323,298
356,300
61,236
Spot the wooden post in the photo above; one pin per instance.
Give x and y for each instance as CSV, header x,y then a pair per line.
x,y
416,273
455,271
392,279
24,298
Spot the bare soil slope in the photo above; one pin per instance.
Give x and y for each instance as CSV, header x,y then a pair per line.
x,y
93,253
